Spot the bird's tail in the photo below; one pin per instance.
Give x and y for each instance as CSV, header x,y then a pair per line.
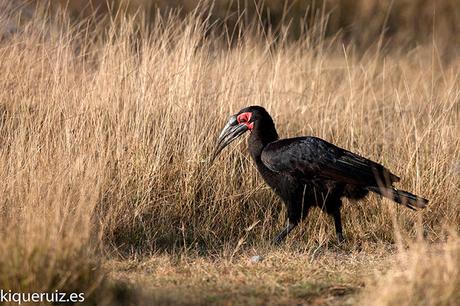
x,y
401,197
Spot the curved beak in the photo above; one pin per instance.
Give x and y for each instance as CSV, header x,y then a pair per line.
x,y
231,131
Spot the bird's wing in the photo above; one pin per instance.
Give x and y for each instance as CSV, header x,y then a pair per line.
x,y
310,158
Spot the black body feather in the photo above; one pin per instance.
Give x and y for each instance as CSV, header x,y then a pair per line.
x,y
309,171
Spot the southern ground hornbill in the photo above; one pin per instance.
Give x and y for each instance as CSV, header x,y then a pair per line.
x,y
309,171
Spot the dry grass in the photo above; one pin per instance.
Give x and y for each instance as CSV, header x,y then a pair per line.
x,y
105,140
422,275
281,278
362,22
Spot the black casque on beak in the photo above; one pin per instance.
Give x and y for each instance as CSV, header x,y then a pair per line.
x,y
231,131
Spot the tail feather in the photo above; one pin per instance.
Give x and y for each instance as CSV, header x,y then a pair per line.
x,y
401,197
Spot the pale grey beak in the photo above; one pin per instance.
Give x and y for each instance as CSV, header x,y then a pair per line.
x,y
231,131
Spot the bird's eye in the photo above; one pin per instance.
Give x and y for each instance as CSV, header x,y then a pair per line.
x,y
244,117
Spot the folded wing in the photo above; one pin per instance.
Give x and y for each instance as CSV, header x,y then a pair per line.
x,y
310,158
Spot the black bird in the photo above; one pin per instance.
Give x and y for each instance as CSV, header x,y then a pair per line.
x,y
309,171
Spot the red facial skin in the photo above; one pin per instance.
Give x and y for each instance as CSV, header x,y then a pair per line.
x,y
244,118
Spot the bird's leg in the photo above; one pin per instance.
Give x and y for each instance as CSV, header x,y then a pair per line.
x,y
338,225
282,235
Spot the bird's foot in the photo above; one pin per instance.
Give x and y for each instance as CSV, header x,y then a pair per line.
x,y
278,240
282,235
340,238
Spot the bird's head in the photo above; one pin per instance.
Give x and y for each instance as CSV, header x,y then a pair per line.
x,y
245,120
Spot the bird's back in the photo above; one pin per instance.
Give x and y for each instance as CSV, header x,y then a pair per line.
x,y
312,158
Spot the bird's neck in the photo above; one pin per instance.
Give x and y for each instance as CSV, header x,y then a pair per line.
x,y
262,134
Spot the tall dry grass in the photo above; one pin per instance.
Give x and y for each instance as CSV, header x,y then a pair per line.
x,y
421,275
105,139
361,22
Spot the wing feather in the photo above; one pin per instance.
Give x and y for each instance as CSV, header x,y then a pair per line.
x,y
313,158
